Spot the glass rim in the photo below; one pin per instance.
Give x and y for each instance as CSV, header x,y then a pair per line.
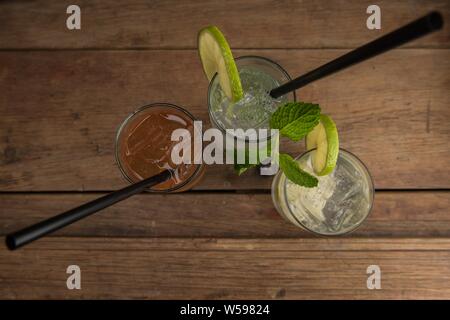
x,y
356,226
270,61
124,124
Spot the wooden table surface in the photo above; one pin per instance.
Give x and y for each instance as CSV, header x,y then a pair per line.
x,y
64,93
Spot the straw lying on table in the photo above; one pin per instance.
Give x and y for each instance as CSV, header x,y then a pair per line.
x,y
40,229
418,28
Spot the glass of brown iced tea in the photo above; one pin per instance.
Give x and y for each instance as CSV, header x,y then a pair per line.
x,y
143,146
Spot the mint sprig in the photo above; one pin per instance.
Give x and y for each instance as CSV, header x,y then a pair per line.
x,y
292,171
241,168
295,119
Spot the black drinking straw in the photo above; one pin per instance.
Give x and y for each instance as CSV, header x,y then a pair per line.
x,y
418,28
40,229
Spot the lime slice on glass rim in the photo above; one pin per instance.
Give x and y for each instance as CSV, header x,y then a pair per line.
x,y
216,57
324,137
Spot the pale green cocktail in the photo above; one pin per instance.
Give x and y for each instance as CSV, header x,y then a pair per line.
x,y
258,76
341,201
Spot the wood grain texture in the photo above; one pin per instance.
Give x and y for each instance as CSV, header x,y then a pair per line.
x,y
189,215
226,269
175,23
62,101
60,111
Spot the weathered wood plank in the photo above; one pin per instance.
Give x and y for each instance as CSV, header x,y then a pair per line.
x,y
60,111
395,214
243,244
249,24
225,269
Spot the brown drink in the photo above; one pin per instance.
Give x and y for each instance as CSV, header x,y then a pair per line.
x,y
144,146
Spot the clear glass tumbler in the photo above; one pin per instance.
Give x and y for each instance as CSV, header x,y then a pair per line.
x,y
338,205
143,146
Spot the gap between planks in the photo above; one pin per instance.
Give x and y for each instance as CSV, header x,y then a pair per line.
x,y
195,48
62,243
200,191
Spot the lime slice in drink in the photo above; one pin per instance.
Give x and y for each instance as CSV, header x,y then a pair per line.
x,y
324,137
216,57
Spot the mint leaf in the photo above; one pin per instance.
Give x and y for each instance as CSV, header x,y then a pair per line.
x,y
295,119
293,172
291,111
241,168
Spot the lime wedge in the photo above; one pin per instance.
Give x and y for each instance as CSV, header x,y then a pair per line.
x,y
324,137
216,57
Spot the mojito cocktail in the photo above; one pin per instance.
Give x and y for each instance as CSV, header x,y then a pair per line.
x,y
258,76
339,204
